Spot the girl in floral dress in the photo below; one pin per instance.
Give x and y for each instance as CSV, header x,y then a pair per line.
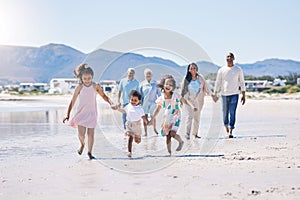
x,y
170,102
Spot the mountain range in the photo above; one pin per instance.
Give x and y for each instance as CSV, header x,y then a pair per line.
x,y
41,64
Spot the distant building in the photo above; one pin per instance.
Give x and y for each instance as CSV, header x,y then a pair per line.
x,y
63,85
257,85
109,86
279,82
13,87
27,87
298,81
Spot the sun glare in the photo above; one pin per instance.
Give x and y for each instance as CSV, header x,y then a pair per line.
x,y
6,26
9,15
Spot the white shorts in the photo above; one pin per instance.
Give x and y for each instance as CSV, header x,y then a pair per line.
x,y
134,129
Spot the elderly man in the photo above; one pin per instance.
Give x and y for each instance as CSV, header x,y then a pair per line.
x,y
126,85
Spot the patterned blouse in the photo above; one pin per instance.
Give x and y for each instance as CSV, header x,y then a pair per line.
x,y
172,114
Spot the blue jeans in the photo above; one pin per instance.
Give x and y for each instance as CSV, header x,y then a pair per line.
x,y
229,109
124,116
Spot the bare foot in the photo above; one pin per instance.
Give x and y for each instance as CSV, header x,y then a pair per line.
x,y
227,129
80,150
180,146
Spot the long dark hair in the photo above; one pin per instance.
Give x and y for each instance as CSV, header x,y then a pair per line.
x,y
187,79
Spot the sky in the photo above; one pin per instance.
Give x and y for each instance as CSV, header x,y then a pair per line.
x,y
253,30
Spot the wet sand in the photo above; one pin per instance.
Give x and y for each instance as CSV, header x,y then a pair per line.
x,y
39,161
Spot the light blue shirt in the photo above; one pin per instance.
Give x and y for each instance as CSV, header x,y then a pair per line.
x,y
125,86
149,91
194,86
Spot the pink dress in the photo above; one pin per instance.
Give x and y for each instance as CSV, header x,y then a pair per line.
x,y
86,114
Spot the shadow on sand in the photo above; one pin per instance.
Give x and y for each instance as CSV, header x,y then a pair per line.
x,y
163,156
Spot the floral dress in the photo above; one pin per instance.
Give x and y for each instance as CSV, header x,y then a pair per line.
x,y
172,114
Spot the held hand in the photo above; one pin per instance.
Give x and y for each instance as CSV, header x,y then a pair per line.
x,y
215,98
66,118
114,107
243,100
149,123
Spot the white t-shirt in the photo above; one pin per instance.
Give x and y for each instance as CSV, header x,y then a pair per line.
x,y
229,80
134,113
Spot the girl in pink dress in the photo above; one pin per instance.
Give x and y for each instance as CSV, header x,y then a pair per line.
x,y
85,118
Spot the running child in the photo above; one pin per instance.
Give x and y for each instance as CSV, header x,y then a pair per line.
x,y
170,102
134,113
85,118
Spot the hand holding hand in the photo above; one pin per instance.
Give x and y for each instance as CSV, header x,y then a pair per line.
x,y
114,107
215,98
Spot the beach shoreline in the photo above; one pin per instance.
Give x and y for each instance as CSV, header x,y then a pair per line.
x,y
249,95
39,159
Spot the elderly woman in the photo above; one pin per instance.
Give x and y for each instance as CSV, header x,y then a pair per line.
x,y
193,90
150,92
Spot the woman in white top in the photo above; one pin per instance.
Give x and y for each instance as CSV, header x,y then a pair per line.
x,y
194,89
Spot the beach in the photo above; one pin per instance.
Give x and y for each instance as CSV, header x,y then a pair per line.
x,y
39,159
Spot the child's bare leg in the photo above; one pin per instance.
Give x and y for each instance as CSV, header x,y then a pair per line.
x,y
130,139
81,137
168,141
91,133
178,138
145,125
154,126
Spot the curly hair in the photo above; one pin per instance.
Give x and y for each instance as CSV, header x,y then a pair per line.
x,y
135,93
163,80
83,69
